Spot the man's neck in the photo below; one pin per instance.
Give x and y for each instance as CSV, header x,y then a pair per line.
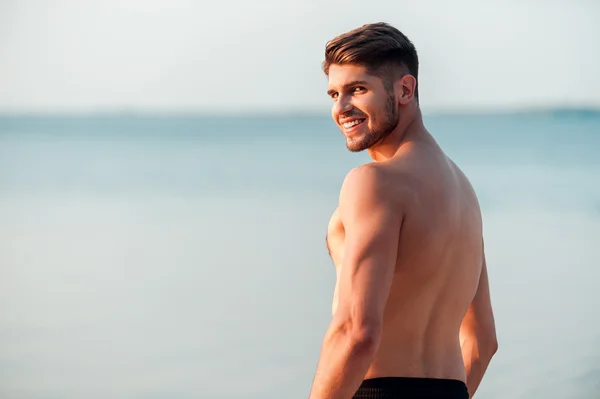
x,y
410,127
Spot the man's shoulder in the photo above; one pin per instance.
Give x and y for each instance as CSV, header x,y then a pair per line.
x,y
378,175
360,179
373,183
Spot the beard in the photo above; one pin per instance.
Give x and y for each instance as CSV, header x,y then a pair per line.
x,y
379,130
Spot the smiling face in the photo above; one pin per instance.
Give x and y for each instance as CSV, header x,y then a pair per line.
x,y
364,106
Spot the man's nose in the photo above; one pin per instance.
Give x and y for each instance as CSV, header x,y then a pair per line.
x,y
342,105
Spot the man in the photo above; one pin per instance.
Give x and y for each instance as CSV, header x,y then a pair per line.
x,y
411,308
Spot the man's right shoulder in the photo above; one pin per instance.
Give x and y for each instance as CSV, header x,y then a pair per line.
x,y
361,178
382,184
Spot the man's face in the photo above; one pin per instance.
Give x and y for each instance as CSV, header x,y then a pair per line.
x,y
365,111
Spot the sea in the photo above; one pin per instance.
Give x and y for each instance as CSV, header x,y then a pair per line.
x,y
183,256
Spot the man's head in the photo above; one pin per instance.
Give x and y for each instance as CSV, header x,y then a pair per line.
x,y
372,72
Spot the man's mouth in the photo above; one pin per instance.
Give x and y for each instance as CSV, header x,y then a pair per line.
x,y
351,124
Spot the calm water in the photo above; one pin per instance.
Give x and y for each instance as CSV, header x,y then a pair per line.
x,y
185,257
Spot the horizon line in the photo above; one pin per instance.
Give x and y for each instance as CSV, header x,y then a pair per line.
x,y
123,112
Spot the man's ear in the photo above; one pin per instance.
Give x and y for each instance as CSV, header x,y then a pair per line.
x,y
405,89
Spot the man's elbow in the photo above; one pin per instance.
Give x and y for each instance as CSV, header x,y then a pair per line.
x,y
494,345
485,340
363,337
489,345
366,337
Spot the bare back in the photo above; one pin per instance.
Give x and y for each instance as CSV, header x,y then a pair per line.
x,y
438,265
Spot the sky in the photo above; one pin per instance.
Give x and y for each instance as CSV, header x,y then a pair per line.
x,y
232,56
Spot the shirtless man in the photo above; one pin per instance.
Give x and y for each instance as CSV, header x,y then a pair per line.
x,y
411,310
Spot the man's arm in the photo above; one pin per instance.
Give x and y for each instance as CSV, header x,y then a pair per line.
x,y
372,228
478,334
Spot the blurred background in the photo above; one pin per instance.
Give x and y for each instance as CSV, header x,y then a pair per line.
x,y
168,169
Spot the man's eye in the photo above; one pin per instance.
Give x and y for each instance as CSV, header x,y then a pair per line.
x,y
359,88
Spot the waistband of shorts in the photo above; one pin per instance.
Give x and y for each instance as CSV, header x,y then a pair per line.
x,y
411,387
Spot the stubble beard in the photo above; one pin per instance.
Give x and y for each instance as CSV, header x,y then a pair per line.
x,y
380,129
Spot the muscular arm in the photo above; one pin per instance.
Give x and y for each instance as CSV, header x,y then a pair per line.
x,y
372,228
478,334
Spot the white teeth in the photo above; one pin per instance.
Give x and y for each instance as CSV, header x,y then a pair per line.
x,y
348,125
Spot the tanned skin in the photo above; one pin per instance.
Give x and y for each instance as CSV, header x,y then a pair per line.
x,y
412,296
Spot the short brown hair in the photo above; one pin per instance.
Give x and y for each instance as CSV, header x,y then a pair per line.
x,y
382,49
